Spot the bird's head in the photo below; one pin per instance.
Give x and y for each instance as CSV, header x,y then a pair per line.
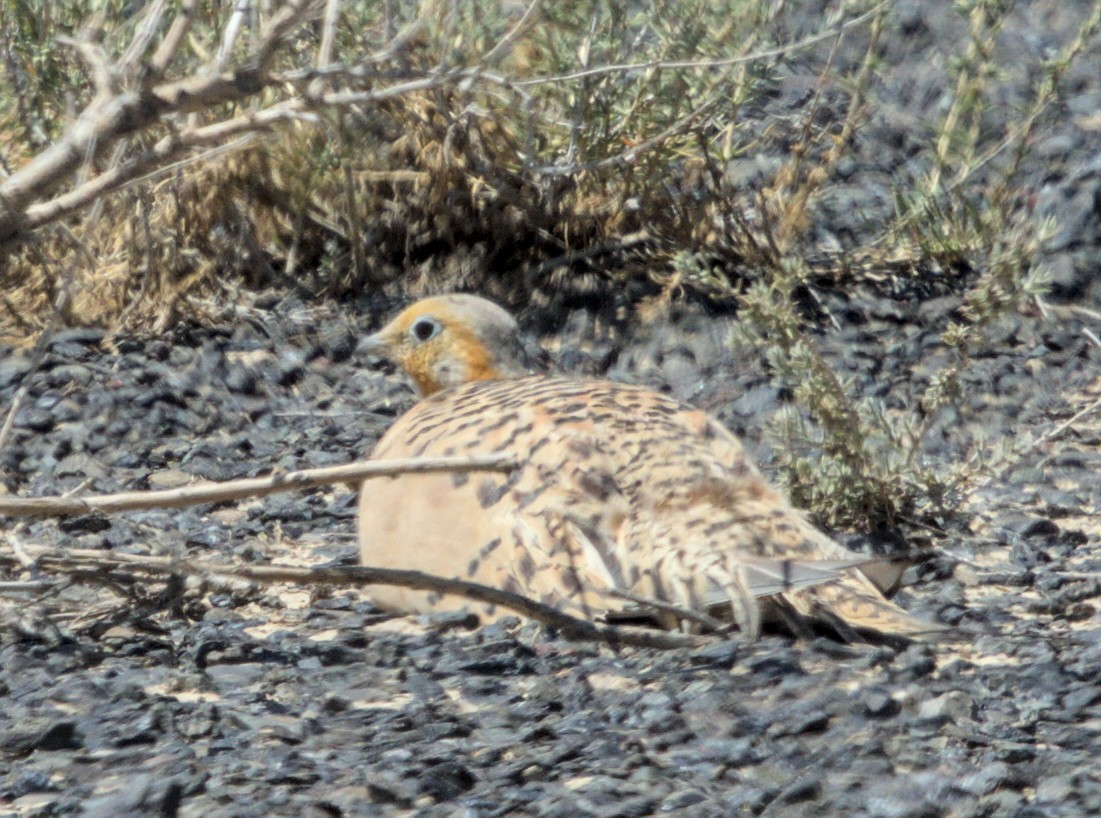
x,y
447,340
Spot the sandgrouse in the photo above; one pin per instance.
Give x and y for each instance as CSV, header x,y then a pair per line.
x,y
619,489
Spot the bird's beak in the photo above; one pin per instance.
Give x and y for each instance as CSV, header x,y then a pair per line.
x,y
373,344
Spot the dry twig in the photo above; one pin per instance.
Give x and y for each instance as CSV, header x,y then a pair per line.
x,y
1062,427
251,487
30,586
78,561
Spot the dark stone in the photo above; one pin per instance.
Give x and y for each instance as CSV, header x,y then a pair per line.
x,y
720,655
41,734
879,704
1041,528
77,336
30,781
85,524
291,369
243,380
35,420
446,781
1082,697
13,368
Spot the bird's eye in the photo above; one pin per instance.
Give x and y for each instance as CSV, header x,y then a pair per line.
x,y
424,328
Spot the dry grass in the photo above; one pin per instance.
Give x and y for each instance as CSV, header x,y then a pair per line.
x,y
601,121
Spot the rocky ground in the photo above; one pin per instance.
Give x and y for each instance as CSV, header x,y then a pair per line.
x,y
220,699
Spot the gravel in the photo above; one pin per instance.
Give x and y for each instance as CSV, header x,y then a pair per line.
x,y
219,699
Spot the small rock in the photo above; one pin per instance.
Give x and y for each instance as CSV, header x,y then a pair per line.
x,y
681,800
879,704
41,734
169,479
446,781
13,368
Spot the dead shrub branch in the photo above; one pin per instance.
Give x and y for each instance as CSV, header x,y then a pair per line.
x,y
252,487
131,99
230,110
115,113
82,561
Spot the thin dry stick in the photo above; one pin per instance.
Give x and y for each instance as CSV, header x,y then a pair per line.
x,y
252,487
104,77
171,42
685,614
523,25
229,36
146,32
81,560
13,410
328,34
1062,427
779,51
24,587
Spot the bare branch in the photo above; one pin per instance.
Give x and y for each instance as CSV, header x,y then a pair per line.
x,y
146,31
174,144
25,196
81,560
325,50
252,487
164,151
229,36
293,13
104,77
106,120
400,89
117,112
172,40
523,25
9,419
328,34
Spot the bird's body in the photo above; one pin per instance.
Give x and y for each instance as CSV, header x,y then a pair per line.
x,y
619,489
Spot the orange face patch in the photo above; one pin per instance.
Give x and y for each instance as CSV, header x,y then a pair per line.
x,y
476,359
419,362
456,349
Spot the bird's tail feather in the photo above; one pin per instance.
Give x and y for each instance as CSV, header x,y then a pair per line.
x,y
827,590
856,602
768,577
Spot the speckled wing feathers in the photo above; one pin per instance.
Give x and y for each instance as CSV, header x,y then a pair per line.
x,y
620,488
